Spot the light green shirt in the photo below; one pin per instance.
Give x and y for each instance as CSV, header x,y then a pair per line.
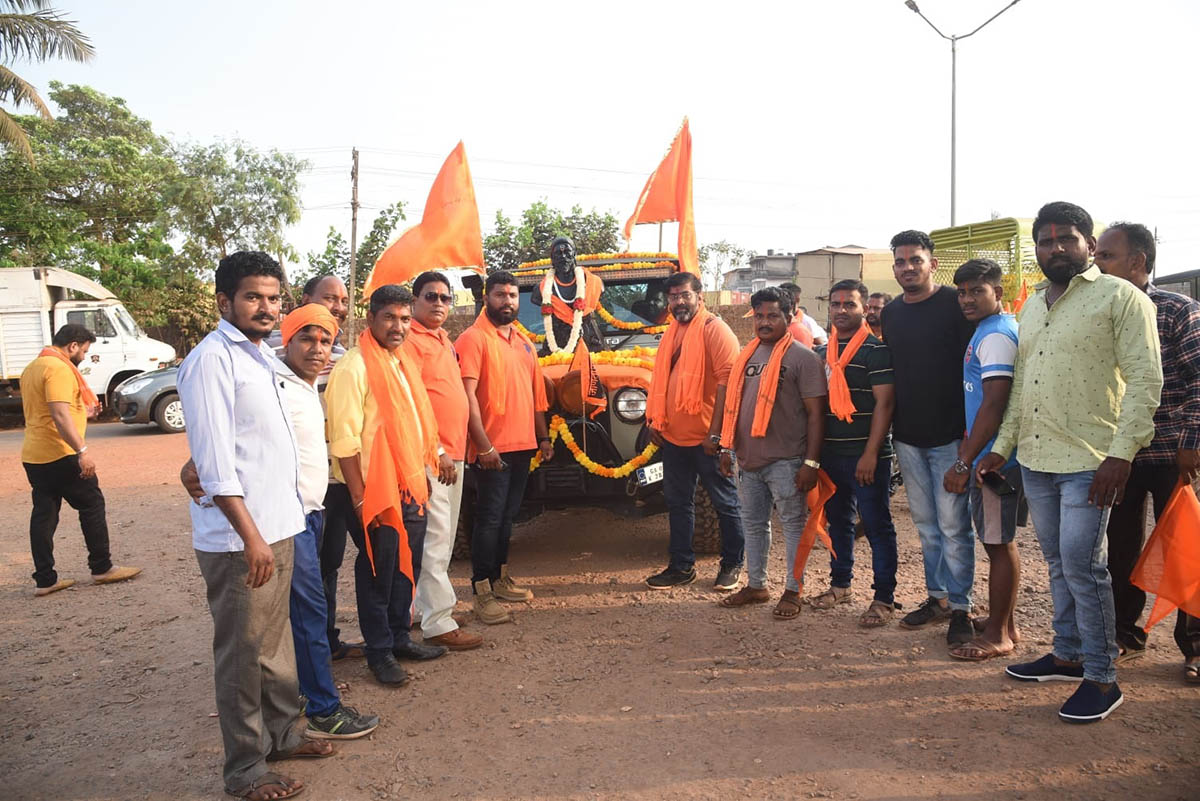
x,y
1088,376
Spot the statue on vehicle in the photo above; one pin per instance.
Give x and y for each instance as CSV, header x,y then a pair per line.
x,y
569,296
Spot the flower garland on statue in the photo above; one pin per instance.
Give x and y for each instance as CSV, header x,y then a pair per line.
x,y
607,317
549,285
634,357
589,257
558,428
525,269
532,337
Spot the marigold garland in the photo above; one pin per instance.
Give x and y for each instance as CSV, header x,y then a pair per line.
x,y
634,357
559,428
603,268
607,317
589,257
532,336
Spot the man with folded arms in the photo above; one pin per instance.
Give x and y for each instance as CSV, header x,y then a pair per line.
x,y
507,401
246,458
771,416
694,357
430,348
382,437
1088,379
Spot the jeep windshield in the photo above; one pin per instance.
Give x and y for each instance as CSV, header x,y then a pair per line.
x,y
640,302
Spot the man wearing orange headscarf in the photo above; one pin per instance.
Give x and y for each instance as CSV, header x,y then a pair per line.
x,y
695,355
382,437
506,398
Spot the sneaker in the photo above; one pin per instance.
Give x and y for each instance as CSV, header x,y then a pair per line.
x,y
387,670
728,578
1045,669
344,724
1089,703
671,578
961,631
929,612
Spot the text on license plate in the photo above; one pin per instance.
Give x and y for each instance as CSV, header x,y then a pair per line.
x,y
650,474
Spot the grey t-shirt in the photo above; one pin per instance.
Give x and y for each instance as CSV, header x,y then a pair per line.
x,y
801,375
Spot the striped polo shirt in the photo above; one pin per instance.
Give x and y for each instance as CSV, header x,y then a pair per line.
x,y
870,367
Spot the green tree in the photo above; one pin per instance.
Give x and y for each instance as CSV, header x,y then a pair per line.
x,y
335,258
30,31
509,245
718,258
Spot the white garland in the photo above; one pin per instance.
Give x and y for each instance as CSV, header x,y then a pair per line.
x,y
548,287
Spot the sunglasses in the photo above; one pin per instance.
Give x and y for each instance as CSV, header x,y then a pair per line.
x,y
434,297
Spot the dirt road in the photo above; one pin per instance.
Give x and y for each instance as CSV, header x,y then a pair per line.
x,y
603,689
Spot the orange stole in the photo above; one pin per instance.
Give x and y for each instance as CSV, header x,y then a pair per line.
x,y
593,287
816,527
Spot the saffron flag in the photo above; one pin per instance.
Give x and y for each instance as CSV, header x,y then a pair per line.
x,y
816,526
1170,563
590,388
1022,296
667,197
447,236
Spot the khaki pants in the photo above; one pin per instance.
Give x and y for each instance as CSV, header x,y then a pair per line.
x,y
254,661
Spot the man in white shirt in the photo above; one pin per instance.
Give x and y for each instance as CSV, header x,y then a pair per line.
x,y
241,440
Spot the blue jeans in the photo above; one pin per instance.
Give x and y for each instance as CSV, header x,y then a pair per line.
x,y
498,496
307,604
872,505
942,520
1071,533
682,466
760,490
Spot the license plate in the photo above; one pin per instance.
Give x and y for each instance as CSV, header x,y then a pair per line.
x,y
650,474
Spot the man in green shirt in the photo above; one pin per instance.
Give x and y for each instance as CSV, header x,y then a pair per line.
x,y
1087,381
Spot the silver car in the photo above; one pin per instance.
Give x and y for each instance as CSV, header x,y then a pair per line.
x,y
151,398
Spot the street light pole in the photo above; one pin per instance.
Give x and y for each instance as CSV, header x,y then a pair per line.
x,y
954,92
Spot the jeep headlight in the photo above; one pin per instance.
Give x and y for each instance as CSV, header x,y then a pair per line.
x,y
629,404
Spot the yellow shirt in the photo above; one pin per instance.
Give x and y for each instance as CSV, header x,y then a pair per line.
x,y
1088,376
49,380
351,411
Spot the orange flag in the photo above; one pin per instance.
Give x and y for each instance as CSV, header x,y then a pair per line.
x,y
589,380
1170,563
816,526
1022,296
447,236
667,197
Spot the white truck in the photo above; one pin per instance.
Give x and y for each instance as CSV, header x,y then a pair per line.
x,y
36,302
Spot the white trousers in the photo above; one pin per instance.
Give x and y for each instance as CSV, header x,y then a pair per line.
x,y
435,598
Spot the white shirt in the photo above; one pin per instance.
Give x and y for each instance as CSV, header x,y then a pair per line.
x,y
814,327
308,424
241,440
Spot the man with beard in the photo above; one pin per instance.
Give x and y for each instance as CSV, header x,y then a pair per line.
x,y
1127,251
695,357
565,297
1087,381
875,304
506,394
57,403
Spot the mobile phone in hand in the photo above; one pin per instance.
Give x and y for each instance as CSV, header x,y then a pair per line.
x,y
997,483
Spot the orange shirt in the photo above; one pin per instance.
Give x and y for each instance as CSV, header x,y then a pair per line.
x,y
720,349
800,333
514,430
434,353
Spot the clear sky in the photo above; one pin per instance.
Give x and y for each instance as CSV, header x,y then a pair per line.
x,y
813,123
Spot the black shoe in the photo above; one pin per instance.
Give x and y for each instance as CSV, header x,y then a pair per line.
x,y
1045,669
418,650
671,578
961,631
929,612
1090,703
387,670
728,578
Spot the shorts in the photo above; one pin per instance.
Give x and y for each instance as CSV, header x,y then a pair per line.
x,y
995,516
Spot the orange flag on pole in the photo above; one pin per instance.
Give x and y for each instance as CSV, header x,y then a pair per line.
x,y
1022,296
447,236
667,197
1170,563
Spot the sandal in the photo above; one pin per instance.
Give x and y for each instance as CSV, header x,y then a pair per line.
x,y
349,650
1191,672
879,613
309,749
788,606
980,623
1125,654
261,788
830,598
978,650
745,597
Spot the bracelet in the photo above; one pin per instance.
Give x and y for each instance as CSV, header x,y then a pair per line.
x,y
544,439
81,451
715,439
360,503
489,450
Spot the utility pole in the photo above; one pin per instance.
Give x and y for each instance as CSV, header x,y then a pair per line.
x,y
353,230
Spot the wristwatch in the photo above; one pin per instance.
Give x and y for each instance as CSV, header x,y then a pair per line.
x,y
961,467
813,463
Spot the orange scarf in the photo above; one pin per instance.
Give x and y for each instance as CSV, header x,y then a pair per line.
x,y
493,368
839,391
815,528
396,472
591,299
689,397
90,402
768,383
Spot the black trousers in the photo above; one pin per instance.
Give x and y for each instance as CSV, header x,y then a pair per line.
x,y
498,498
1126,536
339,511
53,483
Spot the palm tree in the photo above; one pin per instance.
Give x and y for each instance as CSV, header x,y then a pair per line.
x,y
31,31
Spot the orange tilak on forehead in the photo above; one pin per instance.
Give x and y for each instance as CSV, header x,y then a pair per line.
x,y
1054,232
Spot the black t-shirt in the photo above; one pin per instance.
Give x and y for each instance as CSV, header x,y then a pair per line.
x,y
928,341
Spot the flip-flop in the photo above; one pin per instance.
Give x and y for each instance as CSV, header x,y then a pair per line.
x,y
1126,655
788,607
830,598
979,650
746,596
267,780
1191,673
980,623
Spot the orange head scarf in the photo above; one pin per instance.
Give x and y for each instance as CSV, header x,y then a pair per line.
x,y
493,368
839,391
396,470
768,384
690,396
304,316
90,402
